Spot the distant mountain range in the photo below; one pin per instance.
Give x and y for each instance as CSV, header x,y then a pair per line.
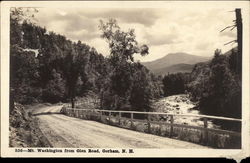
x,y
174,62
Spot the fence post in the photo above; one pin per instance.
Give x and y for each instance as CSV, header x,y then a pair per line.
x,y
132,117
109,117
100,115
119,118
149,124
171,125
205,131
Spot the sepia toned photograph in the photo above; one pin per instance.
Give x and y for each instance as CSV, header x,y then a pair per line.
x,y
114,79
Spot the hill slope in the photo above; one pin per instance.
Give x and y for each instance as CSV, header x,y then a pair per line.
x,y
174,62
182,67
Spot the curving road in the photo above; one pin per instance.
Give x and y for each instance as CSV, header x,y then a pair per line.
x,y
63,131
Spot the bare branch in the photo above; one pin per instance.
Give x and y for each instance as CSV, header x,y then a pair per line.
x,y
227,27
232,28
230,42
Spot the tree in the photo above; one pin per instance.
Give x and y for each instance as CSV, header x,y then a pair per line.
x,y
238,25
55,89
222,96
126,81
74,64
142,90
174,83
24,76
48,67
122,44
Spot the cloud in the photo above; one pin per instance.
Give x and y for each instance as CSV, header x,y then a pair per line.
x,y
100,45
83,24
160,39
83,35
164,30
203,45
72,20
147,17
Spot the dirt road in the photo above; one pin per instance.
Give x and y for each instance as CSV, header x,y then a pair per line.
x,y
64,131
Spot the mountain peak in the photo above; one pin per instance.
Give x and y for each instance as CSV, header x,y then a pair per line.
x,y
173,59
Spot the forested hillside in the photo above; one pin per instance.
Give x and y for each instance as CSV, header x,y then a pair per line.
x,y
48,67
217,85
177,68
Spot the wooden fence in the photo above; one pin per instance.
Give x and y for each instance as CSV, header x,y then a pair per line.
x,y
163,124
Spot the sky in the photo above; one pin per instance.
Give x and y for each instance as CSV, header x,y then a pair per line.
x,y
164,30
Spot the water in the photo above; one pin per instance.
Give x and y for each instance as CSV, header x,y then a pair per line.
x,y
181,104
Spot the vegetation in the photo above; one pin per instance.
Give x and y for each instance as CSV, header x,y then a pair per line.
x,y
53,73
128,85
23,129
175,83
217,86
47,67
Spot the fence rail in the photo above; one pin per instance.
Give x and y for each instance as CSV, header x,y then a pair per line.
x,y
226,138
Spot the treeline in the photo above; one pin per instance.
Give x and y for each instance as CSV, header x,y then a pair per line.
x,y
47,67
175,83
217,85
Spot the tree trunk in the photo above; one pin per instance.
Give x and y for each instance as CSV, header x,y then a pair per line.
x,y
239,40
101,100
72,102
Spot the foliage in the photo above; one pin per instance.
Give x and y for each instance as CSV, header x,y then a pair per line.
x,y
199,80
128,85
175,83
46,67
122,44
218,86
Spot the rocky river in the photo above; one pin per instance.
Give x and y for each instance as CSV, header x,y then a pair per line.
x,y
181,104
